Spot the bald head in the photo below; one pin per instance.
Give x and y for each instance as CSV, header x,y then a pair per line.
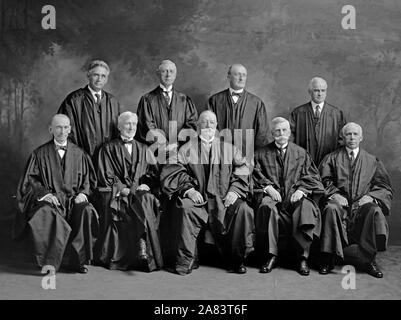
x,y
352,133
317,89
237,75
60,128
167,73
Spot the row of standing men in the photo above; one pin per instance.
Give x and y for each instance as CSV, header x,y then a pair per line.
x,y
285,188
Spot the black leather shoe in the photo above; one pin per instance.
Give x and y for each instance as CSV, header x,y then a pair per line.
x,y
327,264
325,269
373,270
303,268
82,269
241,269
270,264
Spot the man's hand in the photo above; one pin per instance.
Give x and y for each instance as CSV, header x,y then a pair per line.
x,y
51,199
273,193
143,187
296,196
230,198
194,195
80,198
125,192
342,201
364,200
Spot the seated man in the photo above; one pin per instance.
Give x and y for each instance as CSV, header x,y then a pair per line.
x,y
358,195
53,200
290,183
131,210
208,185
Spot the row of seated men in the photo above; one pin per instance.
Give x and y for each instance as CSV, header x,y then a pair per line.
x,y
208,184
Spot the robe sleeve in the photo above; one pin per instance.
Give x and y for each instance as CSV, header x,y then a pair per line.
x,y
30,189
107,179
293,126
341,123
191,115
328,175
176,179
67,107
146,121
89,182
381,188
240,176
261,127
310,181
260,181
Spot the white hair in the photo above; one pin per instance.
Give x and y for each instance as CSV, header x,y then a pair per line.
x,y
97,63
126,115
315,79
349,124
278,120
165,62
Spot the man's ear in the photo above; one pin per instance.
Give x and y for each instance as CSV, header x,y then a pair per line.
x,y
50,130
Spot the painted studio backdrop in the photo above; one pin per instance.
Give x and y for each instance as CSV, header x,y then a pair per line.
x,y
282,43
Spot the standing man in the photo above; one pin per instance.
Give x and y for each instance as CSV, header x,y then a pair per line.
x,y
127,183
291,187
236,108
316,125
208,187
93,111
53,201
359,196
164,111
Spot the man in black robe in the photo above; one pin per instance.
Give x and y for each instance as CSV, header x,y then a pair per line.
x,y
359,196
92,110
53,201
208,186
241,113
316,125
290,185
127,182
164,112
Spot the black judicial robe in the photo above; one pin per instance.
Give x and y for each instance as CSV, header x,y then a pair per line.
x,y
70,227
296,172
154,114
367,177
320,138
232,227
127,219
248,113
91,125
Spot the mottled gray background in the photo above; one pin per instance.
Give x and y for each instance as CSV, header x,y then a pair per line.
x,y
282,43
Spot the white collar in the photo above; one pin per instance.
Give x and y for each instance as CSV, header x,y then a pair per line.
x,y
169,89
206,141
94,93
236,91
356,151
281,147
60,144
126,138
314,104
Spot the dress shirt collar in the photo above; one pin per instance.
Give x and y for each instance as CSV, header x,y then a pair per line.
x,y
93,92
60,144
240,91
206,142
356,151
169,89
126,139
281,147
314,104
